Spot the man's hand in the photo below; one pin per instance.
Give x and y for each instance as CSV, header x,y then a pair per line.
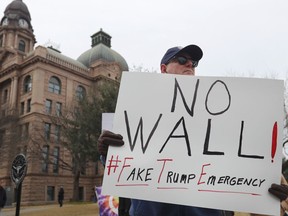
x,y
108,138
280,191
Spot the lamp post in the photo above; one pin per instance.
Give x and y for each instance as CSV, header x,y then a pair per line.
x,y
18,172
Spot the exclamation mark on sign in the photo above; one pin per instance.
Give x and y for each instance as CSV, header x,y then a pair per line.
x,y
274,141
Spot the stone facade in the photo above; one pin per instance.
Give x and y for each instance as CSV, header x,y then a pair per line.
x,y
31,79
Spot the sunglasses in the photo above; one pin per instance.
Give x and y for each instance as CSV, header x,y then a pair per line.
x,y
182,60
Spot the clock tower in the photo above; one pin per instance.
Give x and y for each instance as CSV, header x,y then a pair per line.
x,y
16,32
38,85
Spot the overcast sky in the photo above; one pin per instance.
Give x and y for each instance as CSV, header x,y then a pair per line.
x,y
238,37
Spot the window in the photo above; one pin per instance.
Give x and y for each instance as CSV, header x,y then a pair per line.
x,y
21,46
56,160
58,108
80,92
5,96
48,106
50,193
25,131
2,132
27,84
45,156
81,193
28,105
57,133
54,85
47,131
19,130
22,107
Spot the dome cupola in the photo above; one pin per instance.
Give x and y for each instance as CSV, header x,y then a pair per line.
x,y
17,9
101,50
17,13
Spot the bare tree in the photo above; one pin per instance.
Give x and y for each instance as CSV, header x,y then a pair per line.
x,y
140,68
80,124
13,139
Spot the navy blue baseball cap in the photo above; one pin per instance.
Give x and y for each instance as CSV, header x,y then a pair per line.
x,y
193,51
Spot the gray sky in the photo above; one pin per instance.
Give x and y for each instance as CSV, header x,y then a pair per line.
x,y
247,37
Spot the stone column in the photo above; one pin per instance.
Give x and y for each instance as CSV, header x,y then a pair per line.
x,y
4,40
13,95
16,42
38,85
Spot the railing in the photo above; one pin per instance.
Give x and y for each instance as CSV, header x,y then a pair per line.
x,y
64,63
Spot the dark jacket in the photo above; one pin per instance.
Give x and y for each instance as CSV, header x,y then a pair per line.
x,y
124,206
144,208
3,197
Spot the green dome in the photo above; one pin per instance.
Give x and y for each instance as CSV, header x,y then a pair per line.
x,y
102,52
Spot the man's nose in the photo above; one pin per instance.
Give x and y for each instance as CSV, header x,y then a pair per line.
x,y
189,63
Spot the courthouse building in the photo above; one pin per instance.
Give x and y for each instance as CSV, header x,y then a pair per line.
x,y
36,81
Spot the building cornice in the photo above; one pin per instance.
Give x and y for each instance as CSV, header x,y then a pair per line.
x,y
41,56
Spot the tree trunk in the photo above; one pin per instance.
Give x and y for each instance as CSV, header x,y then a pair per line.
x,y
76,185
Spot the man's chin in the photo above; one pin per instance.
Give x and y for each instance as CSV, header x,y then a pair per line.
x,y
188,72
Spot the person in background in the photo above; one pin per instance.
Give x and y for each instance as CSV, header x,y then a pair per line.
x,y
61,196
183,61
3,197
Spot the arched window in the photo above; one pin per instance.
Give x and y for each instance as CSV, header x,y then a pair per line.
x,y
21,46
80,92
27,84
54,85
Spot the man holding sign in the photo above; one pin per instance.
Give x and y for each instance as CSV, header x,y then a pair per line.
x,y
182,61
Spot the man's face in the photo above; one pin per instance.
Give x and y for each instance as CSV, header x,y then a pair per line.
x,y
174,67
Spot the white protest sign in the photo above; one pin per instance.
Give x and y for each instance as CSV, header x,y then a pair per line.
x,y
211,142
107,121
